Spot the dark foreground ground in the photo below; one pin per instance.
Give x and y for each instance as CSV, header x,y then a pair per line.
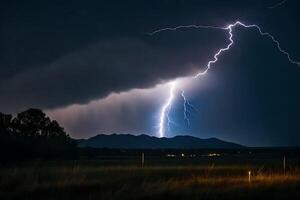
x,y
165,175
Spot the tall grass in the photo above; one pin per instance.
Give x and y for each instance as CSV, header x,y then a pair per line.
x,y
92,180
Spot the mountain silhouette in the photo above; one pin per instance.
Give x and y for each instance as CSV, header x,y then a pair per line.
x,y
128,141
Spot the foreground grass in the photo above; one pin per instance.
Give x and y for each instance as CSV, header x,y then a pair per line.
x,y
73,180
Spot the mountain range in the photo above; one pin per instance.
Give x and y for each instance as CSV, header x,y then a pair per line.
x,y
128,141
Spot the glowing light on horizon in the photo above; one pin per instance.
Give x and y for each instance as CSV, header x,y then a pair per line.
x,y
164,113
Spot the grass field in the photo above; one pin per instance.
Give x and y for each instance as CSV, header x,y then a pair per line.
x,y
160,178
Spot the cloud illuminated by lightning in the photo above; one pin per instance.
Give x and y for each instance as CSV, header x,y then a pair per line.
x,y
166,107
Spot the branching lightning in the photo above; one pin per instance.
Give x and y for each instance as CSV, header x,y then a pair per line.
x,y
164,114
185,108
185,27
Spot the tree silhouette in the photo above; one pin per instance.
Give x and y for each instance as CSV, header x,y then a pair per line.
x,y
33,135
5,122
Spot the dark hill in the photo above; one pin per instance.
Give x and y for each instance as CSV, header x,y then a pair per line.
x,y
128,141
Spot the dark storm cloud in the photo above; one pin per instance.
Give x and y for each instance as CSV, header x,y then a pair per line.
x,y
105,67
57,53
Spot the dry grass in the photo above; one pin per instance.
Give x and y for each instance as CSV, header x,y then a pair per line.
x,y
38,180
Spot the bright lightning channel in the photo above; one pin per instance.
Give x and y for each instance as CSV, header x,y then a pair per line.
x,y
164,112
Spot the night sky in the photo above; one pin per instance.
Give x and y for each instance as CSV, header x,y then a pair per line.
x,y
92,66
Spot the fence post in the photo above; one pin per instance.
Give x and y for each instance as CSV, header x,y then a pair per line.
x,y
249,177
284,164
143,159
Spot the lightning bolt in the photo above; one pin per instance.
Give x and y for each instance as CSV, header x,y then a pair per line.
x,y
164,113
166,107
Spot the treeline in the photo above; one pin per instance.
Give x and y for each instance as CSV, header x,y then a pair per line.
x,y
31,134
